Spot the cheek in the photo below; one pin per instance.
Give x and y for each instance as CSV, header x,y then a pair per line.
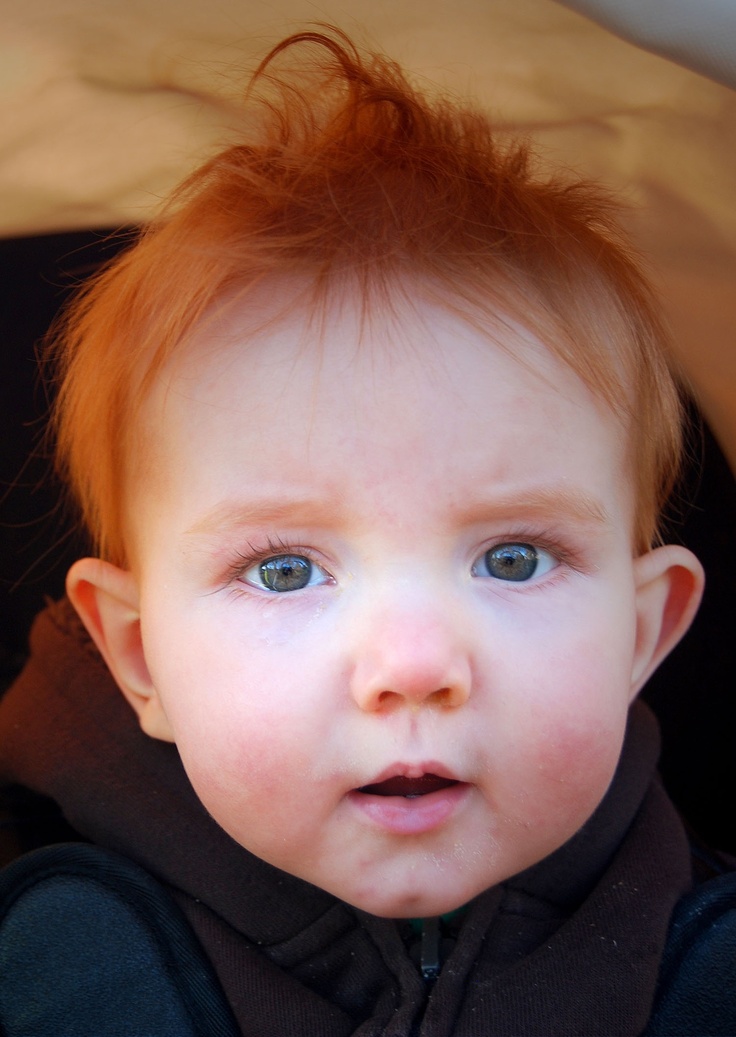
x,y
569,732
560,781
580,752
243,739
239,711
247,764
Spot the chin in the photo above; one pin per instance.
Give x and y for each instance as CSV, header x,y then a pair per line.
x,y
409,903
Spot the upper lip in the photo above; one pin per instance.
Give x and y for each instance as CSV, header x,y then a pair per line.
x,y
414,770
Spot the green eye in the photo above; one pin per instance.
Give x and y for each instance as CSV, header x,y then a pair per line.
x,y
282,573
515,563
285,573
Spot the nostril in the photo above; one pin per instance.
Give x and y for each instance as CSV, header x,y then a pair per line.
x,y
445,698
392,699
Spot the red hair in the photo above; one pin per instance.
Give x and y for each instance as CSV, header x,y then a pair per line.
x,y
349,169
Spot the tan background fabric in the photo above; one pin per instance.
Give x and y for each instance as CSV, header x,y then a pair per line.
x,y
105,105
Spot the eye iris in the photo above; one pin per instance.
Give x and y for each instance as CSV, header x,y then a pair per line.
x,y
286,573
515,562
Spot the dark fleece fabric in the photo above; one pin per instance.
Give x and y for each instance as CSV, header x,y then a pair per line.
x,y
571,946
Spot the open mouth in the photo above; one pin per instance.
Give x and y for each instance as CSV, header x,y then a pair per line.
x,y
409,788
412,804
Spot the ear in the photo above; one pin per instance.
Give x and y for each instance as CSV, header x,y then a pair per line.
x,y
106,599
669,585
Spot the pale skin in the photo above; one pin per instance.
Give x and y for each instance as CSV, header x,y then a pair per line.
x,y
321,613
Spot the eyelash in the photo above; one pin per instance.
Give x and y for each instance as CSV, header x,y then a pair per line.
x,y
558,546
272,547
567,557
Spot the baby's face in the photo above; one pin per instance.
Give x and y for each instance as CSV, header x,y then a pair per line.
x,y
388,599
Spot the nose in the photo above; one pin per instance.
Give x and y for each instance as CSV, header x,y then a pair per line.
x,y
412,658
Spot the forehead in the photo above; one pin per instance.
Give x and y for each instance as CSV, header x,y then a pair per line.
x,y
369,408
299,348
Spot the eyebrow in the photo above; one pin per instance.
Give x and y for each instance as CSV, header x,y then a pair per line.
x,y
231,515
537,502
540,502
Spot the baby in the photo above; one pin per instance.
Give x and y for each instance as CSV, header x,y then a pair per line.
x,y
372,431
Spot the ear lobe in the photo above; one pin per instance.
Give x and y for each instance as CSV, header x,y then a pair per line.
x,y
669,586
106,599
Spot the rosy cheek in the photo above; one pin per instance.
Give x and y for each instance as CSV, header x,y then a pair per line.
x,y
581,759
577,721
247,755
564,775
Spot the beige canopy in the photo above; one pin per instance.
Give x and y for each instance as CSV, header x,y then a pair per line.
x,y
104,106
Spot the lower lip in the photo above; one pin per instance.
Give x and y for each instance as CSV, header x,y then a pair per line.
x,y
402,816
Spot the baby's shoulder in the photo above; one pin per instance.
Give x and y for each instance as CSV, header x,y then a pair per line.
x,y
90,943
696,991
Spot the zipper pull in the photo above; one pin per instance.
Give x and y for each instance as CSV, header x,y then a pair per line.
x,y
430,949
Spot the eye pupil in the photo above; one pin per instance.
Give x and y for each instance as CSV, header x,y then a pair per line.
x,y
514,562
286,573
